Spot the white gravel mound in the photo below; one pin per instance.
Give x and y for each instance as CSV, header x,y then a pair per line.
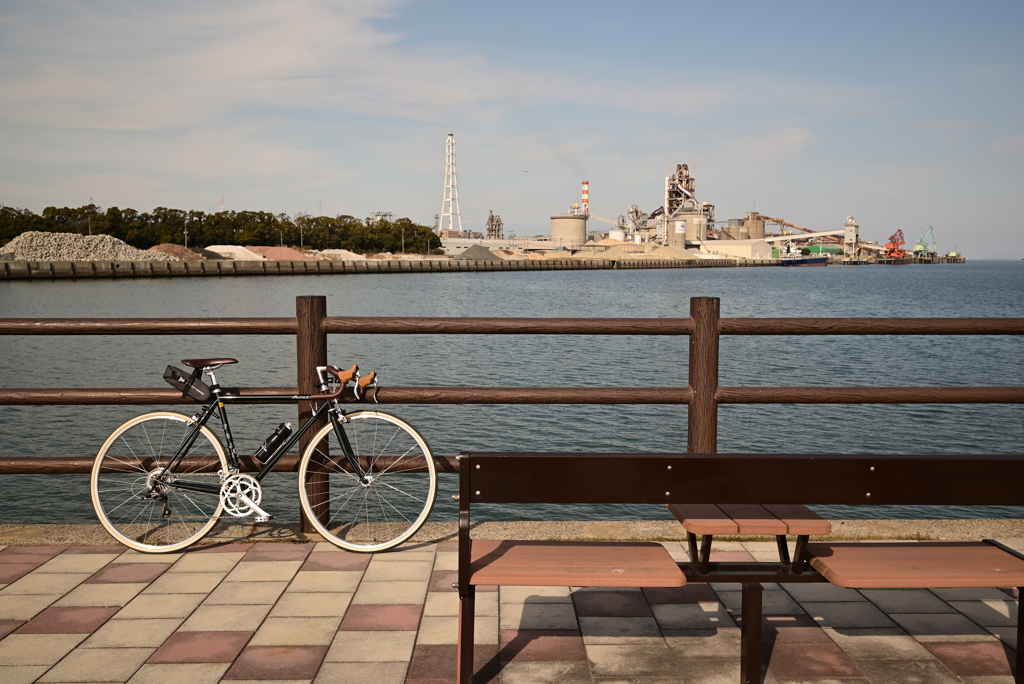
x,y
39,246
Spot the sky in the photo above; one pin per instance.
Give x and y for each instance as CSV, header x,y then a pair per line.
x,y
905,115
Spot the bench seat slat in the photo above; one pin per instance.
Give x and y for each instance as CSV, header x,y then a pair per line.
x,y
593,564
704,519
754,519
866,565
800,519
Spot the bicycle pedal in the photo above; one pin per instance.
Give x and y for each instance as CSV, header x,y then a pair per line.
x,y
263,518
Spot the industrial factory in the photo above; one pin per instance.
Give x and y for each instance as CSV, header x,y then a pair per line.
x,y
682,228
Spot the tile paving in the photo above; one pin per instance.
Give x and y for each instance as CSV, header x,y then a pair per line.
x,y
309,613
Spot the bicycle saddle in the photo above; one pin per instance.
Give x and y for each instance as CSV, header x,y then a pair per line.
x,y
205,363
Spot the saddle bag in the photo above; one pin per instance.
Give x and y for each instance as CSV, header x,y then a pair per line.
x,y
188,384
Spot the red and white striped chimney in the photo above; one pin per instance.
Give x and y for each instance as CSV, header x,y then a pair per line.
x,y
586,197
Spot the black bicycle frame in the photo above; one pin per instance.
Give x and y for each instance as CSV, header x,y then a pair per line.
x,y
329,408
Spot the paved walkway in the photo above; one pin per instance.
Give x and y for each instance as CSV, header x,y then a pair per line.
x,y
311,613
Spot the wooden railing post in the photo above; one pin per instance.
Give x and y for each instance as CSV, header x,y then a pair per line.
x,y
311,348
702,423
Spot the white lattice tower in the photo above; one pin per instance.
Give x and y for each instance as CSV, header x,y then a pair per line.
x,y
450,205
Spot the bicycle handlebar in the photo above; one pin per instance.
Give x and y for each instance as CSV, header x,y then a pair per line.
x,y
344,377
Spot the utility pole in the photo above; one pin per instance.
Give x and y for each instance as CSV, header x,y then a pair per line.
x,y
450,205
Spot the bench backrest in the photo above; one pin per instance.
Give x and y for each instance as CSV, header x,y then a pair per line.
x,y
741,478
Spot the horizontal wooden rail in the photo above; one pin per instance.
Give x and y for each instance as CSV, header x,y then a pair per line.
x,y
512,326
148,326
384,395
552,395
871,326
870,395
82,465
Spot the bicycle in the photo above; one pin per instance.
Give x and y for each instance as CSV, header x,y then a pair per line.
x,y
162,480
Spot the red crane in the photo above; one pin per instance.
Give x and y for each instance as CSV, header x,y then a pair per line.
x,y
893,248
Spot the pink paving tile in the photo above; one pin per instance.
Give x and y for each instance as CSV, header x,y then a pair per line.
x,y
975,659
8,626
1014,592
611,604
441,580
9,572
448,546
47,551
135,573
336,560
278,662
97,548
811,660
68,620
382,618
277,552
438,662
541,644
202,647
689,593
221,548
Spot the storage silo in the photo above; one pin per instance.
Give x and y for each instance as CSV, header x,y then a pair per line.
x,y
754,225
569,229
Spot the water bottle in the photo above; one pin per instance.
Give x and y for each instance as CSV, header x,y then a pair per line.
x,y
273,442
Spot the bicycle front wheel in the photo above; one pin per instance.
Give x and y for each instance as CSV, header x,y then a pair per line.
x,y
386,507
137,509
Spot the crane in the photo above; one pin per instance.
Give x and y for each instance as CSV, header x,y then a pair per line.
x,y
927,243
894,247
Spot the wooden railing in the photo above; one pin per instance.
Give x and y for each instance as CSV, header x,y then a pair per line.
x,y
311,325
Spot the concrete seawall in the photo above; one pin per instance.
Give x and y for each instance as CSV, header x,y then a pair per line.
x,y
26,270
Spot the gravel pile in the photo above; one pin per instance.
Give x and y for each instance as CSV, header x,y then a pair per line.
x,y
38,246
179,251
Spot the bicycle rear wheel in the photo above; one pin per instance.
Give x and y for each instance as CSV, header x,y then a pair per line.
x,y
122,484
386,508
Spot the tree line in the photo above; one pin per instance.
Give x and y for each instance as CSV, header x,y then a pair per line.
x,y
199,229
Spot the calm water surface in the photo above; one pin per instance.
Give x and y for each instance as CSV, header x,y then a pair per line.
x,y
973,289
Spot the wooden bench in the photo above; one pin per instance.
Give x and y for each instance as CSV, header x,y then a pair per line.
x,y
777,483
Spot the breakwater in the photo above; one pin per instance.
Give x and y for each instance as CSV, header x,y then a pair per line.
x,y
21,270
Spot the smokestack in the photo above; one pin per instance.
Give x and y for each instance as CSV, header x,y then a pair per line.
x,y
586,197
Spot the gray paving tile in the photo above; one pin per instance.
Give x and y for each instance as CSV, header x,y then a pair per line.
x,y
101,594
391,592
186,583
362,673
631,661
907,601
207,562
538,616
98,665
375,647
707,643
878,644
969,594
45,583
76,563
264,571
23,674
233,593
548,672
690,616
305,631
25,606
772,603
132,633
845,614
310,581
180,673
226,618
932,627
444,630
159,606
620,630
380,571
37,649
817,593
989,613
533,595
907,672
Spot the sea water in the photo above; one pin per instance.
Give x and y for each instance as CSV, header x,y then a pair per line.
x,y
974,289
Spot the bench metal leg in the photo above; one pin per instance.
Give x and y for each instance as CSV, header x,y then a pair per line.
x,y
800,555
691,547
705,553
467,614
780,541
750,634
1019,677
